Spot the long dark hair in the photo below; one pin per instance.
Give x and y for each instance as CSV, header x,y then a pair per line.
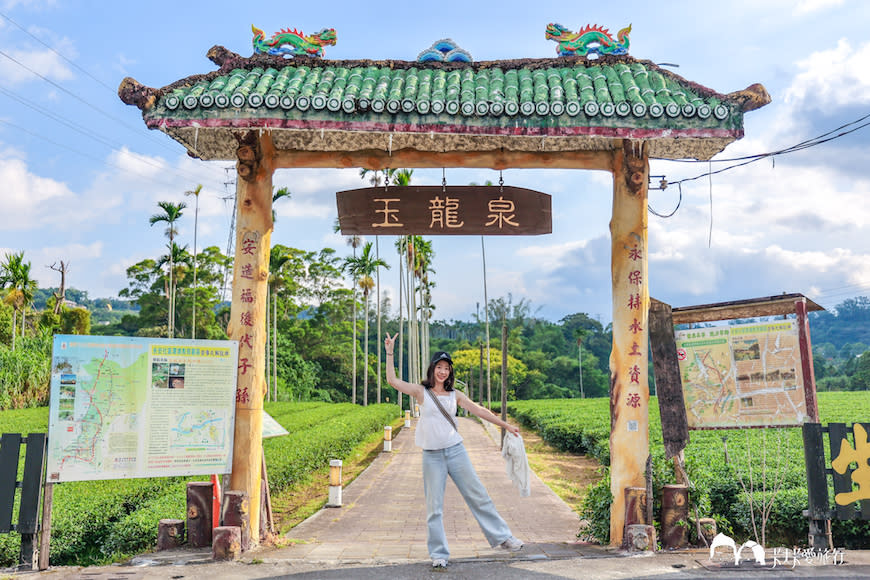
x,y
429,382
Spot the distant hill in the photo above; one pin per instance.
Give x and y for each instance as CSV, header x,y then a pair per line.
x,y
848,324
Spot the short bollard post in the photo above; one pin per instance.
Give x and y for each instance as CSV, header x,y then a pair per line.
x,y
334,483
199,514
170,534
388,438
237,513
227,543
675,516
408,418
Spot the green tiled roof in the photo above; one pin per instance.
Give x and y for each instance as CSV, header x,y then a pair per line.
x,y
599,101
623,89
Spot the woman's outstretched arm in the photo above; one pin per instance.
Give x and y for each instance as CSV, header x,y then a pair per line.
x,y
392,379
463,401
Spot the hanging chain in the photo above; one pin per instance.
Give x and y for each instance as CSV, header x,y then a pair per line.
x,y
443,180
386,179
500,182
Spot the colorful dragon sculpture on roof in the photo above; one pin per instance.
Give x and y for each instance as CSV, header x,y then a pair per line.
x,y
593,39
292,42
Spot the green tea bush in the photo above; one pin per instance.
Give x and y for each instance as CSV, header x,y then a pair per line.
x,y
716,461
96,522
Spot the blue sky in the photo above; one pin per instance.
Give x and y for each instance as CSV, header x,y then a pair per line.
x,y
80,174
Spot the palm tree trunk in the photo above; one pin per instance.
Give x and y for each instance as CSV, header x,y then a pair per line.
x,y
401,324
14,325
195,225
366,358
169,293
275,346
378,277
354,344
486,312
413,359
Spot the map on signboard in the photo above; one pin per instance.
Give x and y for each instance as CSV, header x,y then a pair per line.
x,y
140,407
742,375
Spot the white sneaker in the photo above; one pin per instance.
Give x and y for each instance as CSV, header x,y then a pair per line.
x,y
512,544
439,563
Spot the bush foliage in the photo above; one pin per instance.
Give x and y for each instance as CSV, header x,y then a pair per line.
x,y
716,461
95,522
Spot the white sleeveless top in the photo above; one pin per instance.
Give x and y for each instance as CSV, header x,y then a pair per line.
x,y
433,430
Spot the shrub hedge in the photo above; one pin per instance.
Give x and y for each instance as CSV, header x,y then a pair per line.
x,y
715,462
96,522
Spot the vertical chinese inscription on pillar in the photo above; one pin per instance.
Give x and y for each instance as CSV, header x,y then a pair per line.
x,y
249,251
635,283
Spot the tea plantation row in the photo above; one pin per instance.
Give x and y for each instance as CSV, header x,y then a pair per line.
x,y
716,463
96,522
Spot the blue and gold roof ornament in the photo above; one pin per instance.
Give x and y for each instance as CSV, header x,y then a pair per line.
x,y
444,50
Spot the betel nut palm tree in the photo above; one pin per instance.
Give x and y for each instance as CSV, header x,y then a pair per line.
x,y
15,275
171,214
194,192
361,268
354,242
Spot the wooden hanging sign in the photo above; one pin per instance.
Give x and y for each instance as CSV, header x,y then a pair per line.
x,y
435,210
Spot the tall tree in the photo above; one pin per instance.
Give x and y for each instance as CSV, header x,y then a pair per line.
x,y
277,261
15,277
194,192
354,242
362,268
179,262
171,214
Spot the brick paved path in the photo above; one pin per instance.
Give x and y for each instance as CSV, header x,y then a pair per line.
x,y
384,517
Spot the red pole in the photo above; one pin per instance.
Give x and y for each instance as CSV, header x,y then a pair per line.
x,y
215,501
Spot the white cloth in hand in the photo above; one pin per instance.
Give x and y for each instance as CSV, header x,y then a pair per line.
x,y
516,464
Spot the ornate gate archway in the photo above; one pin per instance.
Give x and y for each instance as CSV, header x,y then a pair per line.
x,y
608,113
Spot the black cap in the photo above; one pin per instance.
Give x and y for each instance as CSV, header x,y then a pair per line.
x,y
441,355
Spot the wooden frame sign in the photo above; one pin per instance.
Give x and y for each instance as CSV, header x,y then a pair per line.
x,y
436,210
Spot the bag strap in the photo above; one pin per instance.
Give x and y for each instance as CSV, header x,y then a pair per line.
x,y
441,408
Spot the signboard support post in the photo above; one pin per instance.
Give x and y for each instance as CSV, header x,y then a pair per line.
x,y
806,351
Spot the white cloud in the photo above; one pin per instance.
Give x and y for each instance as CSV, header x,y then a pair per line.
x,y
30,201
832,78
29,65
812,6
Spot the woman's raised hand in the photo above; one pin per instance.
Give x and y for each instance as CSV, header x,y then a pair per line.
x,y
389,342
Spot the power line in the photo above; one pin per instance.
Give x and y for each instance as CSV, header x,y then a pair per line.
x,y
87,132
71,63
86,103
91,157
746,160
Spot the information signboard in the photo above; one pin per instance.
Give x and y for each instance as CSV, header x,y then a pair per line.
x,y
746,375
140,407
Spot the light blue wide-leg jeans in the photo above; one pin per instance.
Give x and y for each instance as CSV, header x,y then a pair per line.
x,y
454,461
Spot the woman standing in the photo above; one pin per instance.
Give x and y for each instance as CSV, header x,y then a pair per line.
x,y
444,454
